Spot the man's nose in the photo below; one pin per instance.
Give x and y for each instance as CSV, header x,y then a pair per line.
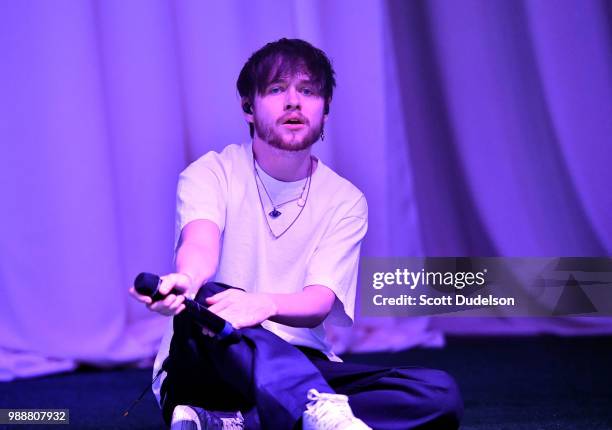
x,y
292,99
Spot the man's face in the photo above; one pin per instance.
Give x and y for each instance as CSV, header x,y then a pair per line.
x,y
289,114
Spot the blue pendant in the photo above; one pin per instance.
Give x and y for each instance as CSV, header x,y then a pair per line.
x,y
275,213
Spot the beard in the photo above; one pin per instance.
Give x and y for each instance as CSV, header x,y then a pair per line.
x,y
287,141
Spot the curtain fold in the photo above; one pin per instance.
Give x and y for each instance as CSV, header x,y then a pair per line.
x,y
474,128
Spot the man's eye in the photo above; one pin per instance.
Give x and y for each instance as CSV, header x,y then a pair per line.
x,y
307,91
275,90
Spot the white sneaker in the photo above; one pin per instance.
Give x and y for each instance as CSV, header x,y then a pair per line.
x,y
330,412
186,417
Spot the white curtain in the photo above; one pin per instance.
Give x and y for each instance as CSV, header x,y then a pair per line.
x,y
103,103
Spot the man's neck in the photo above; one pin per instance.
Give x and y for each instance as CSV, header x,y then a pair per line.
x,y
288,166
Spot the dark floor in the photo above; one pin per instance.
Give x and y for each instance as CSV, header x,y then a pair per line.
x,y
507,383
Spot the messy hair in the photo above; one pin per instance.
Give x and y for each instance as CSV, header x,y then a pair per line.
x,y
282,58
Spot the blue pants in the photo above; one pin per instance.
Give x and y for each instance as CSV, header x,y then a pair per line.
x,y
267,379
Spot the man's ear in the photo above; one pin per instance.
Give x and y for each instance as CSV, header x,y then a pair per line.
x,y
326,108
247,108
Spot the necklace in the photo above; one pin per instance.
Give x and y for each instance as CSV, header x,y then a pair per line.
x,y
275,213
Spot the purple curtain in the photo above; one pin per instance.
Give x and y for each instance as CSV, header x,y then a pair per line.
x,y
508,115
474,128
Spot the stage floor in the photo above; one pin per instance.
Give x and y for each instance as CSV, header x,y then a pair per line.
x,y
507,383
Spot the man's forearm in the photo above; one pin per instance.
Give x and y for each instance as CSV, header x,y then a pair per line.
x,y
307,308
196,262
198,252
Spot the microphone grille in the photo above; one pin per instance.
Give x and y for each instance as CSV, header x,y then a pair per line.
x,y
146,284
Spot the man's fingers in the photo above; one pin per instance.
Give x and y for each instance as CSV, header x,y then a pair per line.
x,y
169,300
227,316
216,298
163,305
176,304
169,305
218,307
236,325
167,283
220,296
177,281
172,304
139,297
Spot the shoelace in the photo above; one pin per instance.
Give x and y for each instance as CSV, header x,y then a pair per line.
x,y
233,423
326,408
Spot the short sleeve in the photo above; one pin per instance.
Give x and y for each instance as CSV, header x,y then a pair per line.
x,y
335,261
202,193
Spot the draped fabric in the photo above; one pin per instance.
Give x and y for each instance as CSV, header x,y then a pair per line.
x,y
473,127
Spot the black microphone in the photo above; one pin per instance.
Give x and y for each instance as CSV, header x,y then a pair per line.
x,y
147,284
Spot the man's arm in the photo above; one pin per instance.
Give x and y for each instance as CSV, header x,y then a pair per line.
x,y
307,308
198,252
197,258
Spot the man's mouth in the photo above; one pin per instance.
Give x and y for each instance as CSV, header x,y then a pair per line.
x,y
294,121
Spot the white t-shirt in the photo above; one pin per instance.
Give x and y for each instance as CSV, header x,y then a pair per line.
x,y
320,248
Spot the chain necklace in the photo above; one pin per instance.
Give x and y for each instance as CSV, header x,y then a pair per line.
x,y
275,213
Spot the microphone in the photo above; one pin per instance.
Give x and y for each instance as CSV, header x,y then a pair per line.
x,y
147,284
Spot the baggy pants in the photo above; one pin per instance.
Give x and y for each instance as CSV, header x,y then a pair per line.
x,y
267,379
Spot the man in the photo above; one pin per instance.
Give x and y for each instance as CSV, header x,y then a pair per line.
x,y
280,234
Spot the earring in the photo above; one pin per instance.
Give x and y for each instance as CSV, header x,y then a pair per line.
x,y
322,137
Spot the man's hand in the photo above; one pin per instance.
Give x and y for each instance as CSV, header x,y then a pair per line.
x,y
172,304
242,309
